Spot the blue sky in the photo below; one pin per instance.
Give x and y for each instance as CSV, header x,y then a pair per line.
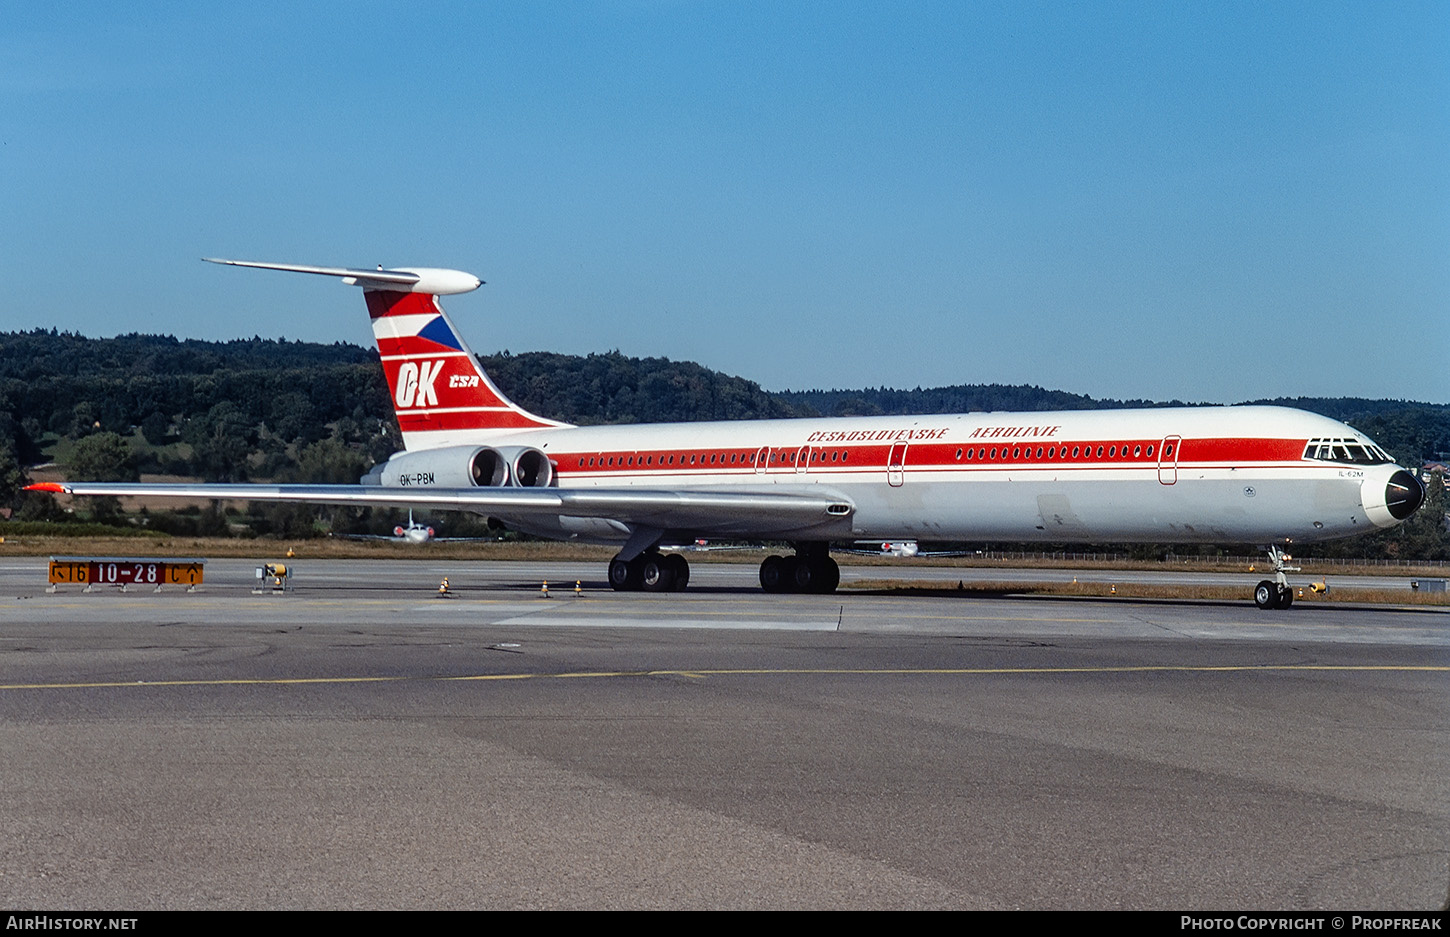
x,y
1205,201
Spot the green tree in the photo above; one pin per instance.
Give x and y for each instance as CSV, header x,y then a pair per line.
x,y
12,479
1424,536
155,428
329,462
102,457
221,440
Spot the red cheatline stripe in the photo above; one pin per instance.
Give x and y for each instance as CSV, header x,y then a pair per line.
x,y
1256,453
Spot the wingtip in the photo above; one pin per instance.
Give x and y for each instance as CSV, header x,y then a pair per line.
x,y
54,488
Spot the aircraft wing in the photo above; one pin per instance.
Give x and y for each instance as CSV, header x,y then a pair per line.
x,y
382,538
706,510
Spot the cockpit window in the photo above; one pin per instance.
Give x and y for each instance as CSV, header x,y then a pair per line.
x,y
1351,451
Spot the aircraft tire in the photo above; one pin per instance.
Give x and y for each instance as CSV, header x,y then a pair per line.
x,y
681,566
1266,594
656,573
772,574
805,574
625,576
792,571
827,576
1286,597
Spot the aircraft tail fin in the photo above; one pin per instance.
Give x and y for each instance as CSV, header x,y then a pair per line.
x,y
440,392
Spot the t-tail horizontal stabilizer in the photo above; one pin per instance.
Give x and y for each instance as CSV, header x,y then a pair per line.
x,y
441,395
434,281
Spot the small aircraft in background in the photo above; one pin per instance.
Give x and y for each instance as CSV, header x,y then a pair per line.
x,y
903,549
414,532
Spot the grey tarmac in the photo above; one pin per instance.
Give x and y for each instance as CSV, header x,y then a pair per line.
x,y
361,743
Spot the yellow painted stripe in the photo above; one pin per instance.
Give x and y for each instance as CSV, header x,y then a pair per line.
x,y
756,672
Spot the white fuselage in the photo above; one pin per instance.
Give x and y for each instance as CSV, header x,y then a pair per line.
x,y
1184,475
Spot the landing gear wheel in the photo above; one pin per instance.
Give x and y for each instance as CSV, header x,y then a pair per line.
x,y
657,573
1276,593
625,576
797,573
682,571
772,574
788,572
801,574
827,577
816,574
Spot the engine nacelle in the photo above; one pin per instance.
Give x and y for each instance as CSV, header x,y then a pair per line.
x,y
465,467
528,467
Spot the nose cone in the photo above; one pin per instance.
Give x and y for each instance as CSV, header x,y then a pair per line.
x,y
1403,495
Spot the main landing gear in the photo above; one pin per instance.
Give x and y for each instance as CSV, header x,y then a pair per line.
x,y
1275,593
811,569
650,572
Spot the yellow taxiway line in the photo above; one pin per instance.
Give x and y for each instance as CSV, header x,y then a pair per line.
x,y
753,672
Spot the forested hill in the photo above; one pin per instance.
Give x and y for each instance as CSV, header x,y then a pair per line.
x,y
614,388
960,398
265,409
259,408
41,354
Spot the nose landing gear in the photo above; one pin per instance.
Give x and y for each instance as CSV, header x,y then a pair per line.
x,y
1275,593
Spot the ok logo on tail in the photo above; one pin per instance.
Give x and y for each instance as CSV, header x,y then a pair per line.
x,y
415,384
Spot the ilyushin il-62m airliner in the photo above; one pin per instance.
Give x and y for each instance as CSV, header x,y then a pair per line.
x,y
1262,475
